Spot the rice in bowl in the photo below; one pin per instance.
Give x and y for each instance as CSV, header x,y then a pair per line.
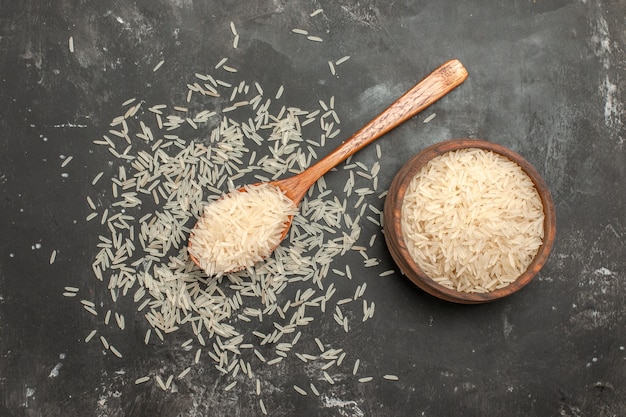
x,y
472,220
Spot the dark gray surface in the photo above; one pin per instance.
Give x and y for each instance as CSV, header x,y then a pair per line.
x,y
546,79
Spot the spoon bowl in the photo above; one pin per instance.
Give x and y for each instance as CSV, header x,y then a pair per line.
x,y
436,85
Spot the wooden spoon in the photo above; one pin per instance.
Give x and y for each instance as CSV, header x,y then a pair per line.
x,y
436,85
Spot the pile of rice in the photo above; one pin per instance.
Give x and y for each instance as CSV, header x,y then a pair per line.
x,y
472,220
240,229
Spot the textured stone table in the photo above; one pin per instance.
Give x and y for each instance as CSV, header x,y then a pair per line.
x,y
546,80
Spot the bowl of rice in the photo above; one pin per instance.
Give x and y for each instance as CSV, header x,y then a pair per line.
x,y
469,221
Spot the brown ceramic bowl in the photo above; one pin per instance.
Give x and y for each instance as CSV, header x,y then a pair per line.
x,y
397,246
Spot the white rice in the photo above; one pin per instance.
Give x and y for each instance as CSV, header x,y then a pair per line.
x,y
328,378
221,62
355,368
160,382
104,342
165,183
331,66
66,161
299,390
158,65
142,380
90,336
97,178
429,118
472,220
240,229
342,60
115,351
184,373
90,310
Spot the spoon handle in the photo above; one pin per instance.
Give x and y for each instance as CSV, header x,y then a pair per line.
x,y
436,85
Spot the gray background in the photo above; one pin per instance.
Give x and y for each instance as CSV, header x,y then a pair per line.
x,y
546,79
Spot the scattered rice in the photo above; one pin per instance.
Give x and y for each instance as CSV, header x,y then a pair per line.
x,y
104,342
341,61
366,379
472,220
391,377
328,378
70,43
315,38
332,68
316,12
159,65
121,322
161,383
279,92
66,161
97,178
53,256
90,336
221,62
429,118
299,390
115,351
163,187
275,360
142,380
90,310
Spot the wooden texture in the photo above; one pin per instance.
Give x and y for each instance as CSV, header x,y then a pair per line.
x,y
398,248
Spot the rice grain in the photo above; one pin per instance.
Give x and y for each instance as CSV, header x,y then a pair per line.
x,y
472,220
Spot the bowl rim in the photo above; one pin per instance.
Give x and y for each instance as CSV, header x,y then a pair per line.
x,y
393,229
